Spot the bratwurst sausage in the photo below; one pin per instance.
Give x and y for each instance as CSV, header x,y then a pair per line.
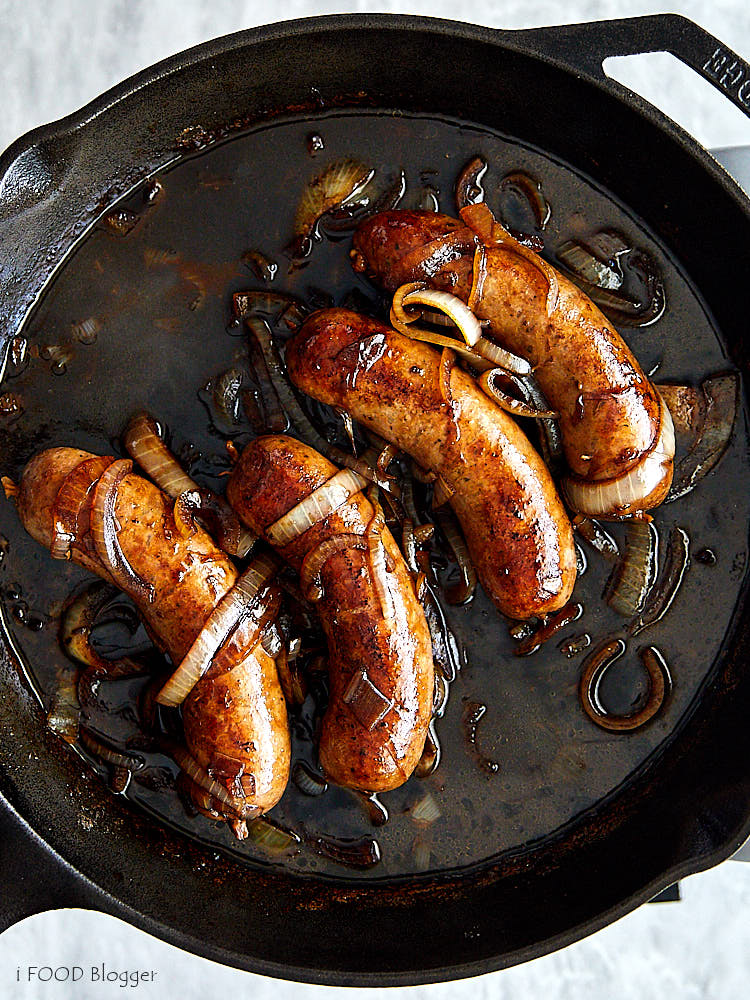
x,y
380,655
617,432
518,534
235,717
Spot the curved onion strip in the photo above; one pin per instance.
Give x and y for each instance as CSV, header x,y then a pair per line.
x,y
143,441
722,400
615,497
530,190
79,619
378,559
597,664
549,626
460,593
223,620
450,305
316,558
469,189
481,221
634,576
71,497
315,507
104,531
233,804
662,597
109,755
515,406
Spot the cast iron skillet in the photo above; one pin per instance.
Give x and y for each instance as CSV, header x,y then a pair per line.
x,y
686,814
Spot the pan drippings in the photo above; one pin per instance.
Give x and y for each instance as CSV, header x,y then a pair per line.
x,y
140,319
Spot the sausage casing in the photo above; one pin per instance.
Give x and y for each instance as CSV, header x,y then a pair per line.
x,y
236,711
517,531
380,660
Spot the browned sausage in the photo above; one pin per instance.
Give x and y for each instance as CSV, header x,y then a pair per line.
x,y
380,659
611,416
235,717
517,531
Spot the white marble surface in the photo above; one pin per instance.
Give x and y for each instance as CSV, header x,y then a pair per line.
x,y
55,57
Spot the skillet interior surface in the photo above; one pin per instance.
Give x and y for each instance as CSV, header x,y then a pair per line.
x,y
554,768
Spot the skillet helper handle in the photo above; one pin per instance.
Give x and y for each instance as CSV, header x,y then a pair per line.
x,y
586,46
32,878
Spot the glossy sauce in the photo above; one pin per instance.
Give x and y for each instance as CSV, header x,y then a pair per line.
x,y
139,317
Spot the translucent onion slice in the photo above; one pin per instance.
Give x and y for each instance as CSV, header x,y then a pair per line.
x,y
105,529
232,609
506,402
415,293
315,507
367,702
76,489
144,443
316,558
634,576
459,593
616,497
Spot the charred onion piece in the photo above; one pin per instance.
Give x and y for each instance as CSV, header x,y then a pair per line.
x,y
231,610
316,506
721,402
595,666
469,190
633,578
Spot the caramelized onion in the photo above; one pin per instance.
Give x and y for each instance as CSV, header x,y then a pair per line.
x,y
64,712
316,558
506,402
232,804
598,538
530,191
70,500
335,187
676,564
469,189
459,593
633,578
615,497
477,349
378,558
104,530
77,623
315,507
721,403
228,614
594,668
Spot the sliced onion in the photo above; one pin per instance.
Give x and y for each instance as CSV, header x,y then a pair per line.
x,y
633,578
79,619
460,593
367,702
508,403
231,610
104,530
95,746
442,493
594,668
530,190
403,318
75,491
661,599
316,558
233,804
426,811
469,189
272,837
582,262
308,781
722,401
482,222
616,497
598,538
143,441
335,187
549,627
65,711
315,507
378,559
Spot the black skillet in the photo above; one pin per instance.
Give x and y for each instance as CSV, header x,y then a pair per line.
x,y
687,813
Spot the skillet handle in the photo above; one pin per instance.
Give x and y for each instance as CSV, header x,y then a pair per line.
x,y
32,878
586,46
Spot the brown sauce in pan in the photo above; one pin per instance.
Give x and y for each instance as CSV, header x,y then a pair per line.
x,y
139,318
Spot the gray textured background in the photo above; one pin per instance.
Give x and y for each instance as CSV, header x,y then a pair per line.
x,y
54,58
